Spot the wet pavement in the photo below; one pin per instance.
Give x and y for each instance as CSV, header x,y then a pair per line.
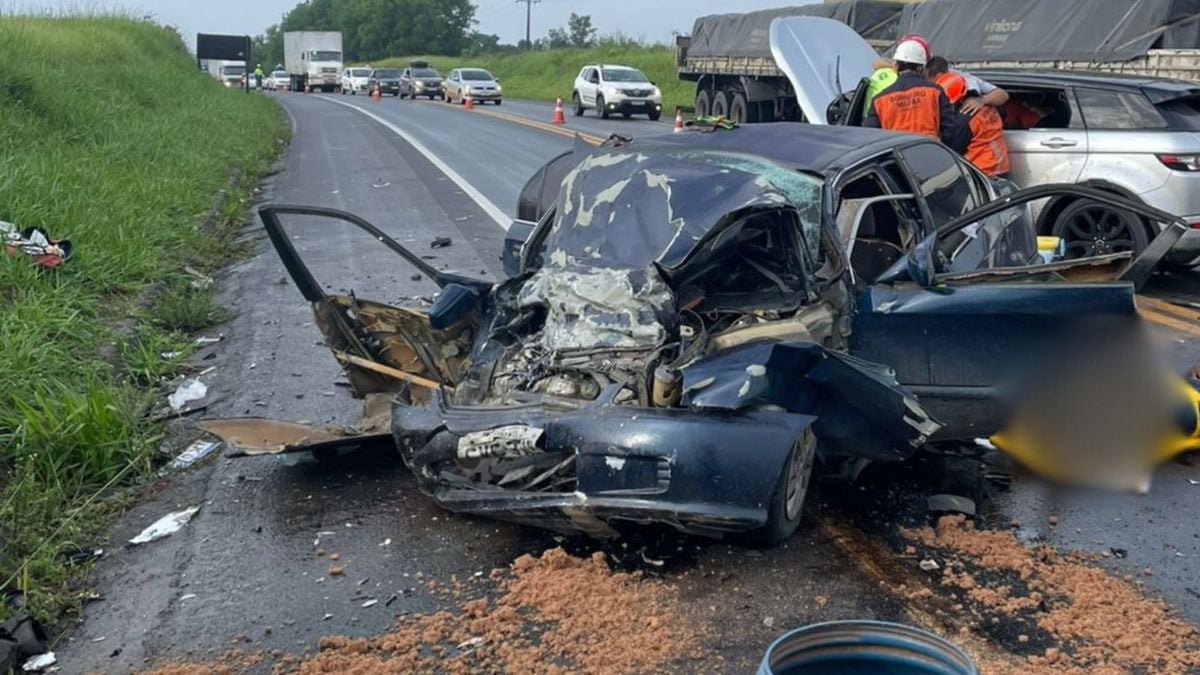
x,y
245,573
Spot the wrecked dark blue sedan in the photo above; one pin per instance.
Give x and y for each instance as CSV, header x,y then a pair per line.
x,y
694,321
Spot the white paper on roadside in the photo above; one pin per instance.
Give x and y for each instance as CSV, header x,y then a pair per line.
x,y
167,525
190,390
40,662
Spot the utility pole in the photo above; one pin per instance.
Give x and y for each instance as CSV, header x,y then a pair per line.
x,y
528,15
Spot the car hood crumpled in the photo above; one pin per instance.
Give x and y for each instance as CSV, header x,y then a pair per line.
x,y
626,209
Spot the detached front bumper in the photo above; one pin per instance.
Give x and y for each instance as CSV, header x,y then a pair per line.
x,y
704,473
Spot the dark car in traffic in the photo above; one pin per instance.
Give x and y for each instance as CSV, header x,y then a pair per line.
x,y
419,79
694,321
387,80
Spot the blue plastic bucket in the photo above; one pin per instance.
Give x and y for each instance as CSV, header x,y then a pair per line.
x,y
864,648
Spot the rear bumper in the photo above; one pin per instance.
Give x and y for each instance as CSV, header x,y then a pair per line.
x,y
704,473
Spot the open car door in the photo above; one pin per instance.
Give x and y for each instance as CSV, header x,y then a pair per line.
x,y
383,348
964,328
824,59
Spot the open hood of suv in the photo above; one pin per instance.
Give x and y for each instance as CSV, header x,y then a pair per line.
x,y
823,58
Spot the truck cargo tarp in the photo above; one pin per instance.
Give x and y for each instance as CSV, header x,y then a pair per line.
x,y
1064,30
747,35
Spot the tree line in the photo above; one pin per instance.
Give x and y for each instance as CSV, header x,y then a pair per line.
x,y
376,29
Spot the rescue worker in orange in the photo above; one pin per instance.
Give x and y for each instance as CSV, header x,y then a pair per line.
x,y
986,149
916,105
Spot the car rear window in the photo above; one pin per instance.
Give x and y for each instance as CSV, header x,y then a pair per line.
x,y
1182,114
1118,110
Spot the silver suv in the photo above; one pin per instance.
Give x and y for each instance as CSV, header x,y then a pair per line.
x,y
1135,136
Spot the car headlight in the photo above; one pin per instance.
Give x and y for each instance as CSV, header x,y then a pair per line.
x,y
498,89
612,91
655,91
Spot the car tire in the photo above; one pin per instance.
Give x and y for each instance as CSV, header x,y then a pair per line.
x,y
498,101
787,504
577,104
720,105
703,104
654,115
1090,228
627,115
601,107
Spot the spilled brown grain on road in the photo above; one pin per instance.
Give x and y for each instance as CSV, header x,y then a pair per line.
x,y
1098,622
550,614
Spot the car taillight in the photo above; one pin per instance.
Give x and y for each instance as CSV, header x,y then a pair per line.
x,y
1181,162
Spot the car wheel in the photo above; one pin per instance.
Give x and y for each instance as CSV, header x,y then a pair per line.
x,y
577,104
627,115
654,115
703,104
498,101
601,107
787,504
1090,228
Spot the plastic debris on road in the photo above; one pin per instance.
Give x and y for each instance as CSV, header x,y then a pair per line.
x,y
441,242
194,453
167,525
190,390
40,662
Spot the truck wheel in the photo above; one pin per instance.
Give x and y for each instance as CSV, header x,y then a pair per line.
x,y
720,105
601,107
787,504
577,104
738,110
703,104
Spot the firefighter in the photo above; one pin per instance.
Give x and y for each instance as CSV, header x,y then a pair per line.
x,y
986,149
914,104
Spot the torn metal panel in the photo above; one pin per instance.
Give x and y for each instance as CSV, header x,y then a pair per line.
x,y
859,407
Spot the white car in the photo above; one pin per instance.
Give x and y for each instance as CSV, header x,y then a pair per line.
x,y
354,80
278,80
616,89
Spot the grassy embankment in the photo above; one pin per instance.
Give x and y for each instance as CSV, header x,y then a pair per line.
x,y
110,137
544,75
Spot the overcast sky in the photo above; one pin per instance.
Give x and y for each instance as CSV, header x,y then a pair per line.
x,y
652,20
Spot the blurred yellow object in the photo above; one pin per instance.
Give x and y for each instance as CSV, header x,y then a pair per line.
x,y
1027,441
1049,244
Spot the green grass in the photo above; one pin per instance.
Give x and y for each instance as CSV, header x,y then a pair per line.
x,y
110,137
545,75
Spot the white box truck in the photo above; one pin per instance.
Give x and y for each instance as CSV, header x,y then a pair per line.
x,y
313,59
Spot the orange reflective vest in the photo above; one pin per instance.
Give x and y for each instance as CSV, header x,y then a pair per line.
x,y
987,149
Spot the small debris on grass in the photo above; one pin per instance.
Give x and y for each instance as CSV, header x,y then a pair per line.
x,y
929,565
165,526
441,242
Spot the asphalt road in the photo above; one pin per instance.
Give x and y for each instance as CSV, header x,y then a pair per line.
x,y
244,572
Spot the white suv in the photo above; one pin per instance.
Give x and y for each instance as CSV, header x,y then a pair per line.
x,y
354,80
616,89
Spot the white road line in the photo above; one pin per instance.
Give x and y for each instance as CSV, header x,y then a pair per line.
x,y
484,203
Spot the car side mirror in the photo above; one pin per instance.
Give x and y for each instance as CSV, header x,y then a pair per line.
x,y
920,261
455,302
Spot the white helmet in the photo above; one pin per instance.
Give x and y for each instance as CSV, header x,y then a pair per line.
x,y
912,51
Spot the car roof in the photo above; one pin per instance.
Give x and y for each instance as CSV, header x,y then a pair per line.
x,y
816,148
1125,81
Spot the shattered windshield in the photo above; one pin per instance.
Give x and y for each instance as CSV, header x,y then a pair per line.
x,y
628,209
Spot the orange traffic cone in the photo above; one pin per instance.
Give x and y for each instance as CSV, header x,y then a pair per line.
x,y
375,95
558,113
468,102
678,120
